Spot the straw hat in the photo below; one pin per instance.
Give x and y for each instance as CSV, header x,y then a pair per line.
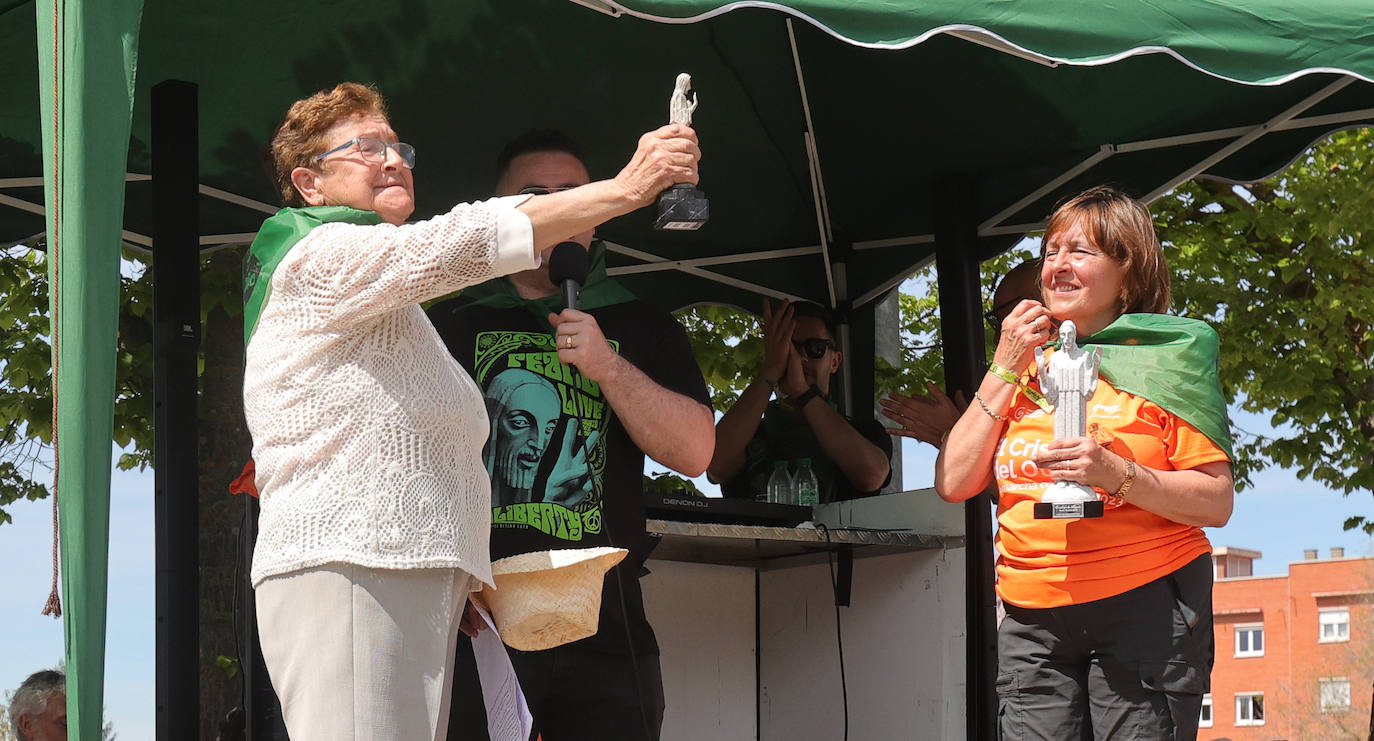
x,y
548,598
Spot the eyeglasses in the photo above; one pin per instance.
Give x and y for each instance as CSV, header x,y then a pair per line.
x,y
374,150
539,190
813,348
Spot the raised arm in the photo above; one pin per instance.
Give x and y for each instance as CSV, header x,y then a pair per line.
x,y
738,425
664,157
964,467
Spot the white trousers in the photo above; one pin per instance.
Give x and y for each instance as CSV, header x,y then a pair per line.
x,y
359,654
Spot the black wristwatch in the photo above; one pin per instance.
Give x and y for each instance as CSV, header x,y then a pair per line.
x,y
812,393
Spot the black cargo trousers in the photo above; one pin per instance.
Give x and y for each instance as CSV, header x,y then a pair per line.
x,y
1133,666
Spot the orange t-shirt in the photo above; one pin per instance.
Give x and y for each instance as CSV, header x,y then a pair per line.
x,y
1051,563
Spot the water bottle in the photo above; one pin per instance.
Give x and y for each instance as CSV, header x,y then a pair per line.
x,y
807,489
779,484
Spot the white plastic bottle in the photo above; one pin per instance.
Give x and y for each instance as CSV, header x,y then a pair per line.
x,y
780,484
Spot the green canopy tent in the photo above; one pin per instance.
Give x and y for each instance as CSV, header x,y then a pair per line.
x,y
841,139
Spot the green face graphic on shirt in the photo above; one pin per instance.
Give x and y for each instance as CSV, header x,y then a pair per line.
x,y
546,453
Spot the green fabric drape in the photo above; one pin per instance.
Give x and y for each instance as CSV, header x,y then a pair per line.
x,y
600,290
1172,361
87,61
277,236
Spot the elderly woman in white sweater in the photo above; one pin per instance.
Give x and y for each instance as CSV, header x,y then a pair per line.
x,y
367,435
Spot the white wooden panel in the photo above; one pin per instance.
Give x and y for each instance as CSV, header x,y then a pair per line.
x,y
703,616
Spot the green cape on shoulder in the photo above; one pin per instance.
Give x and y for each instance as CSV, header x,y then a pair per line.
x,y
277,236
1171,361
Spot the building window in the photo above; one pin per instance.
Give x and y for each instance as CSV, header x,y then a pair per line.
x,y
1249,708
1250,639
1334,625
1335,694
1205,720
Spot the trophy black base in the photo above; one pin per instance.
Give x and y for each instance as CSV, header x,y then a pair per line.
x,y
1067,510
682,208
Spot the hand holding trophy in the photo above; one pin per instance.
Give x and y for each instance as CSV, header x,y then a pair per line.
x,y
1069,380
682,207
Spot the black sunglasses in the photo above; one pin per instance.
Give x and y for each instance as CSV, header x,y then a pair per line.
x,y
813,348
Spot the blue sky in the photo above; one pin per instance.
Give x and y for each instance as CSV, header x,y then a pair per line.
x,y
1281,516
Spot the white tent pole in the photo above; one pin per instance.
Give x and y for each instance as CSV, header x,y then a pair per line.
x,y
701,262
717,277
1245,140
1102,153
813,163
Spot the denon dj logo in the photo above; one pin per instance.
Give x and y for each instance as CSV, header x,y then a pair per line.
x,y
693,502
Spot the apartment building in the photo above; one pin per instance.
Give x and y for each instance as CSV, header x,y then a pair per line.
x,y
1295,653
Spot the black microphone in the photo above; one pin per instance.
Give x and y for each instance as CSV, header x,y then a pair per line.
x,y
568,269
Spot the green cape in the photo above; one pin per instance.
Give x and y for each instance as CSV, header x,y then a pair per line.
x,y
1170,361
600,290
277,236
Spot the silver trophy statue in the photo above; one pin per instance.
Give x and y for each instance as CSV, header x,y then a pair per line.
x,y
682,207
1069,380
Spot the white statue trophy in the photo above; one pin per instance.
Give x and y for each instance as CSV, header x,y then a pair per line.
x,y
682,207
1069,380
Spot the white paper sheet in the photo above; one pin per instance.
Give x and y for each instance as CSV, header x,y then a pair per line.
x,y
508,717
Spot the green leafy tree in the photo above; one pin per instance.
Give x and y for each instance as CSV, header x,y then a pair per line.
x,y
224,444
1284,269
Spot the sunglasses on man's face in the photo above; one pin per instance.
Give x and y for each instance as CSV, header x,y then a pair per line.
x,y
813,348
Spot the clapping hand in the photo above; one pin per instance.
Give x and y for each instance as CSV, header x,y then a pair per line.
x,y
927,418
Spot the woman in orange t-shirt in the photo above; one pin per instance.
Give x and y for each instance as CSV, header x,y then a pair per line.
x,y
1108,632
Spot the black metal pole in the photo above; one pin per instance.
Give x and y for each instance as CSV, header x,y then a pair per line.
x,y
961,327
176,341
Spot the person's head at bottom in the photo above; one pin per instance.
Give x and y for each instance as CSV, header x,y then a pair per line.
x,y
38,709
337,148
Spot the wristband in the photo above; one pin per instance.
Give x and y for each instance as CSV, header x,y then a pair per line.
x,y
811,393
772,385
1004,374
1035,396
1117,498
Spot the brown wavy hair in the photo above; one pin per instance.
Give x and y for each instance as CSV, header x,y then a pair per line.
x,y
1121,227
301,134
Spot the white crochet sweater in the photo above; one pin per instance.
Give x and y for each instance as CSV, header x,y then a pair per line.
x,y
367,435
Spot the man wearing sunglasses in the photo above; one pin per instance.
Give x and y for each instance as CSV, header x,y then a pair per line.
x,y
850,457
569,473
931,416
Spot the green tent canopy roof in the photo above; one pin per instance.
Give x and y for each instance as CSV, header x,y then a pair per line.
x,y
1264,42
825,197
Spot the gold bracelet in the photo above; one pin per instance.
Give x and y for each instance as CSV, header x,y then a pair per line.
x,y
1118,498
986,408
